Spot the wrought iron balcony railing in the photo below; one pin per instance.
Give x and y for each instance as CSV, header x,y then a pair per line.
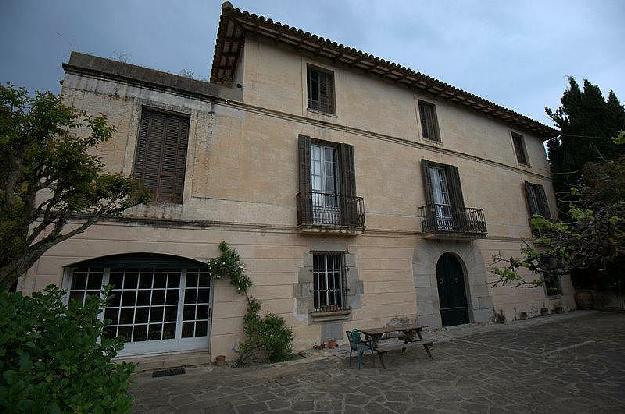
x,y
440,219
330,210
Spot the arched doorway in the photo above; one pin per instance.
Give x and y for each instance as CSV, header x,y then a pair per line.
x,y
451,290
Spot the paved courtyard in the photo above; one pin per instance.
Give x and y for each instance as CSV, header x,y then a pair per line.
x,y
562,364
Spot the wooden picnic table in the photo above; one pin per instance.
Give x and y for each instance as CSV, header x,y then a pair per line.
x,y
407,333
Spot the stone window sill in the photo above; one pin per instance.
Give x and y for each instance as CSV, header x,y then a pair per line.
x,y
328,229
330,316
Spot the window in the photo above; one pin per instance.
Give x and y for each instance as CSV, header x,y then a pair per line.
x,y
149,303
329,293
429,123
519,148
445,203
323,174
161,155
537,200
327,185
320,90
440,196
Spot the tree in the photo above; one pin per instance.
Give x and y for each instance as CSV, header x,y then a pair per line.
x,y
591,245
587,123
51,187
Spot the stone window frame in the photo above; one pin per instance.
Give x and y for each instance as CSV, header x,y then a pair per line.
x,y
303,290
342,290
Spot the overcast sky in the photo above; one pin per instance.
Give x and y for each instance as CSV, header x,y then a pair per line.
x,y
515,53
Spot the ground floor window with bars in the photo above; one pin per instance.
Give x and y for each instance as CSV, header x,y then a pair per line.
x,y
328,282
152,308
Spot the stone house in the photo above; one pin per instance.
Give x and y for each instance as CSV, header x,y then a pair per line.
x,y
357,192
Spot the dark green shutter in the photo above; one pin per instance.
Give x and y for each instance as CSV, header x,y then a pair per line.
x,y
347,184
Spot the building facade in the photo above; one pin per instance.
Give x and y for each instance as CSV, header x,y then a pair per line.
x,y
356,191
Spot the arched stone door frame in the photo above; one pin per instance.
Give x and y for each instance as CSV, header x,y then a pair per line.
x,y
453,290
425,257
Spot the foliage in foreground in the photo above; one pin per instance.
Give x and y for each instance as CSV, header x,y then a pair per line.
x,y
266,338
590,246
52,359
48,177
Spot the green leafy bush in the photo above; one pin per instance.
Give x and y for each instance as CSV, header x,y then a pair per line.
x,y
266,338
52,359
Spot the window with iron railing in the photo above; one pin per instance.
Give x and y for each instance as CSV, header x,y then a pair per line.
x,y
327,195
445,211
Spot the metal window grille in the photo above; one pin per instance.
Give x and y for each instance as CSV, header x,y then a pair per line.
x,y
148,303
328,281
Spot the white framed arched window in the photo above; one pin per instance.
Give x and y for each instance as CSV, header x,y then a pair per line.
x,y
157,303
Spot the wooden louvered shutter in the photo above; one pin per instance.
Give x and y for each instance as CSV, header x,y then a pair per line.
x,y
429,123
304,206
326,91
543,204
532,201
454,187
160,161
427,182
455,195
347,184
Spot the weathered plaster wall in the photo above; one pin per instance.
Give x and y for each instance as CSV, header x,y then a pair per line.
x,y
241,185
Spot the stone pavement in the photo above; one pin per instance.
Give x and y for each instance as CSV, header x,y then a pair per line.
x,y
571,363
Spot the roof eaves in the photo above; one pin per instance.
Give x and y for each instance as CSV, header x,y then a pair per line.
x,y
249,22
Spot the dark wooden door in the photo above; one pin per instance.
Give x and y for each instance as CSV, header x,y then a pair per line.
x,y
451,291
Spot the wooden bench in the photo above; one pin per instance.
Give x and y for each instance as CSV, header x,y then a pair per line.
x,y
383,349
407,333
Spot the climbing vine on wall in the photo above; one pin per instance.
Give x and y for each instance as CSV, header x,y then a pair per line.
x,y
229,266
266,338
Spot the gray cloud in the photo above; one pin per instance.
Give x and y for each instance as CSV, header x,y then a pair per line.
x,y
517,54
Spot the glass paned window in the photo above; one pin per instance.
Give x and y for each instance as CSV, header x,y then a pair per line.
x,y
148,303
87,282
323,179
328,282
441,198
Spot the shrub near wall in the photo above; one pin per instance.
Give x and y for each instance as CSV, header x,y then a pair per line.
x,y
266,338
51,360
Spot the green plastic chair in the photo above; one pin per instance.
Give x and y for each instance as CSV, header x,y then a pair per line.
x,y
356,344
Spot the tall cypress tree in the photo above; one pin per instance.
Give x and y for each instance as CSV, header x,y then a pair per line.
x,y
587,125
